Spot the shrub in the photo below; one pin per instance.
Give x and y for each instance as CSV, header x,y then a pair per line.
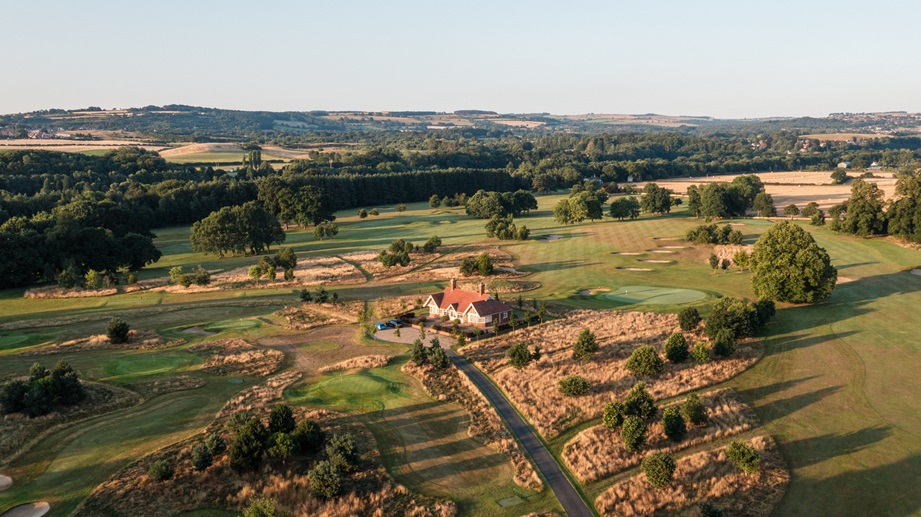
x,y
281,446
573,386
645,361
585,346
764,311
518,355
673,424
437,355
92,279
325,481
309,435
432,244
484,265
117,330
676,348
401,207
201,276
744,456
261,507
633,433
131,279
701,352
201,457
362,213
688,319
281,419
659,468
724,345
639,402
12,396
693,410
733,314
177,277
468,266
248,444
375,212
160,470
613,414
215,444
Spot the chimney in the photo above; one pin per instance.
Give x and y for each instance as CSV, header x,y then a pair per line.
x,y
482,288
453,284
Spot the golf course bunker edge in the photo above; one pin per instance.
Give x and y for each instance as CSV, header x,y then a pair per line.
x,y
649,295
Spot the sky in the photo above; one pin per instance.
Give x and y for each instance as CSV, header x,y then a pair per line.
x,y
728,59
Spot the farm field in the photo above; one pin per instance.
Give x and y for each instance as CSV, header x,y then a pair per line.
x,y
835,386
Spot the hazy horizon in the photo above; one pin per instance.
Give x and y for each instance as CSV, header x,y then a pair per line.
x,y
721,59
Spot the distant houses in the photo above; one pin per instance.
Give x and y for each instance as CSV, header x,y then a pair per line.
x,y
474,308
844,165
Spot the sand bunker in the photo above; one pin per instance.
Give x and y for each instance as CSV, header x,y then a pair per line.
x,y
5,482
628,252
658,261
675,247
661,251
916,272
28,510
649,295
198,330
844,279
551,238
590,292
634,269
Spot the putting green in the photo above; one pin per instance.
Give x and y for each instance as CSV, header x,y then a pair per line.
x,y
649,295
354,391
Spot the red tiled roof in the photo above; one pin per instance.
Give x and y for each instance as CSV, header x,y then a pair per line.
x,y
489,307
461,301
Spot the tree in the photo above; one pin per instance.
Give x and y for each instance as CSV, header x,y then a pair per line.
x,y
724,344
839,176
281,419
200,276
714,202
117,330
236,229
375,212
633,433
676,348
281,446
585,346
434,201
810,209
248,444
625,208
309,435
614,413
92,279
673,424
694,200
791,210
215,444
325,231
177,277
362,213
287,260
308,206
432,244
701,352
325,480
659,468
787,265
744,456
437,355
693,410
518,355
468,266
417,354
714,262
573,386
904,212
201,457
688,319
342,451
255,273
764,205
737,316
484,264
863,215
160,470
401,207
741,259
68,277
645,361
656,199
639,402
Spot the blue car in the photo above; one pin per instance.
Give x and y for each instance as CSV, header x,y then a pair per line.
x,y
380,326
394,324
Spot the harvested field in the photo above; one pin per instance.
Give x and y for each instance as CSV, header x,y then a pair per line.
x,y
137,340
237,357
534,391
360,362
18,432
598,452
704,477
448,384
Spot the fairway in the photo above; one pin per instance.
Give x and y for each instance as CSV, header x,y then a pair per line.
x,y
648,295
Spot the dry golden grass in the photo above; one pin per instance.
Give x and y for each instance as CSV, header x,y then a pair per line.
x,y
60,292
386,308
709,477
485,423
369,491
309,272
598,452
360,362
18,433
258,397
237,357
534,388
728,251
447,266
137,340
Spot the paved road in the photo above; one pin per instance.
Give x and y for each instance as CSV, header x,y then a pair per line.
x,y
559,483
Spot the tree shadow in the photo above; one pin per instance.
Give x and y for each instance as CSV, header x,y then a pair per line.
x,y
781,408
809,451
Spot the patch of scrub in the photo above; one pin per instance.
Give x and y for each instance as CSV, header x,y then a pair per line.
x,y
28,510
649,295
241,324
634,269
554,237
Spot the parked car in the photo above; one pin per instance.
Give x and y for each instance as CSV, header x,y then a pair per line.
x,y
394,323
380,326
